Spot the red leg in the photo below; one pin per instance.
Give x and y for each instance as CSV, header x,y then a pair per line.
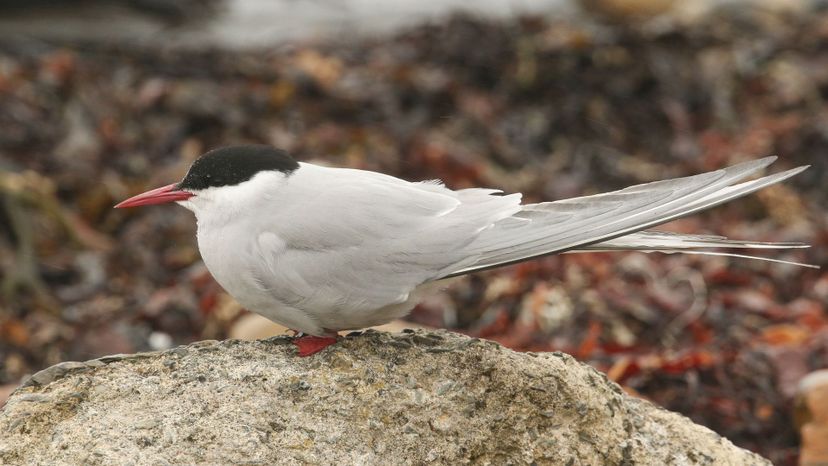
x,y
310,344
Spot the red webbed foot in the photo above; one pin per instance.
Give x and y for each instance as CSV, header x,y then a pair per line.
x,y
311,344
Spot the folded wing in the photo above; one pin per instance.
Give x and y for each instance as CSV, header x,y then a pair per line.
x,y
612,221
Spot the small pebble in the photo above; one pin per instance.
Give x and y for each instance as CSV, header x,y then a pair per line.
x,y
33,397
159,341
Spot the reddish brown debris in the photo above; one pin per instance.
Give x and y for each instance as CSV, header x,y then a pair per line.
x,y
548,109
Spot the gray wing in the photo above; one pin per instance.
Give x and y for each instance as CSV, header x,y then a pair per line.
x,y
353,241
593,222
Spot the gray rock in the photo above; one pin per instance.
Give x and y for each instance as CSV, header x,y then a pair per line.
x,y
376,398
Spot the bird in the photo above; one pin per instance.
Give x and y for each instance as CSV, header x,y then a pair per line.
x,y
323,249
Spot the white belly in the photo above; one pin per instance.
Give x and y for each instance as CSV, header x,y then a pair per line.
x,y
230,264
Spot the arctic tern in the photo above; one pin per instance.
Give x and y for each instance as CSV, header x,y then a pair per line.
x,y
320,249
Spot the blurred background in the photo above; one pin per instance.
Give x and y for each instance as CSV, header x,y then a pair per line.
x,y
100,100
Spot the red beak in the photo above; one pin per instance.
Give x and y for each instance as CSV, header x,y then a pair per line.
x,y
169,193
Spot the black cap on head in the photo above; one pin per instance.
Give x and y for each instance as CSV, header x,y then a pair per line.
x,y
232,165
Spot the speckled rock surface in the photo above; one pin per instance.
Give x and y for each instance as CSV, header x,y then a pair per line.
x,y
376,398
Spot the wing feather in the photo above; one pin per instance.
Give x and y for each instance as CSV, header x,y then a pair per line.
x,y
555,227
345,243
364,240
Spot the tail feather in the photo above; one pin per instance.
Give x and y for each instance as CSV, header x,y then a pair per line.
x,y
662,240
709,253
677,243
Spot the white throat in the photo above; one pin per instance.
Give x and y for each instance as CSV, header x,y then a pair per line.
x,y
225,204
